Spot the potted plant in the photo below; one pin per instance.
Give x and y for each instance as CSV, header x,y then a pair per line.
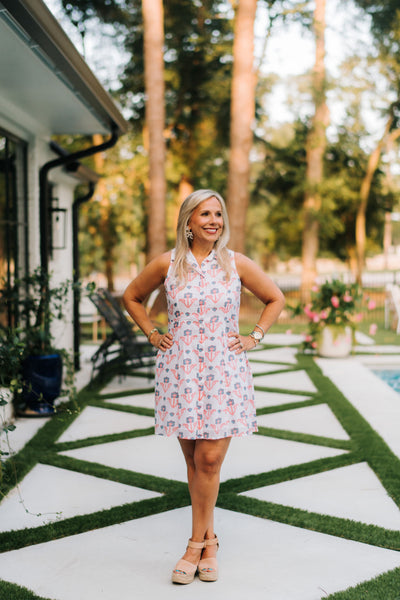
x,y
10,358
39,368
333,314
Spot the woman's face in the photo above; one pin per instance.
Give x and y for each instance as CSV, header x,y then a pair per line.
x,y
206,221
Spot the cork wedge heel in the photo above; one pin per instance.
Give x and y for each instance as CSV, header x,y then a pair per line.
x,y
185,571
208,567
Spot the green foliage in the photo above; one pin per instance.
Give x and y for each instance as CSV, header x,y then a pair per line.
x,y
198,69
112,224
38,303
384,14
35,304
280,186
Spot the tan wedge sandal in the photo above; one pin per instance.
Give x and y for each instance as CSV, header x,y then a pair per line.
x,y
208,567
185,571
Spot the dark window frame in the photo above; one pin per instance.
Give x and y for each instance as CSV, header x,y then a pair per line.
x,y
15,227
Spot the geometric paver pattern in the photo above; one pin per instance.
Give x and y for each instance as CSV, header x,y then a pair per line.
x,y
269,480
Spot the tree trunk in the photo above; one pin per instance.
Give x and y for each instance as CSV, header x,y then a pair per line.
x,y
365,189
242,116
153,23
104,224
387,238
315,150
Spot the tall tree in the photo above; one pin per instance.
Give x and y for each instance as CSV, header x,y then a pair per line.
x,y
197,67
153,23
241,122
385,26
315,150
360,226
280,188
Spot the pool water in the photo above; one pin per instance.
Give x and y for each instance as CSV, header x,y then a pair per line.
x,y
390,376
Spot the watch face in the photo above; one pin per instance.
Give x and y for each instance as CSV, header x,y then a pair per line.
x,y
257,335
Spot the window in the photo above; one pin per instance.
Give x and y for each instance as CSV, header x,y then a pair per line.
x,y
13,216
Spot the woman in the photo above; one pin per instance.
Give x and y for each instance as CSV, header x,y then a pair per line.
x,y
203,391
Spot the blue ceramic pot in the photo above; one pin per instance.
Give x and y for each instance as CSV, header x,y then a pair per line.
x,y
42,377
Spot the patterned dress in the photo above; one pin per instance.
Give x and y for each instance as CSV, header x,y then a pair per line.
x,y
203,390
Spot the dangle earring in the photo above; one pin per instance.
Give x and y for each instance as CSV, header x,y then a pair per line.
x,y
188,233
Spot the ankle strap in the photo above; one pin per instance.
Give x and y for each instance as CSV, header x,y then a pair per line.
x,y
212,542
193,544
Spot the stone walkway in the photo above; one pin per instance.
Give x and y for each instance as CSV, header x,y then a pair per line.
x,y
270,559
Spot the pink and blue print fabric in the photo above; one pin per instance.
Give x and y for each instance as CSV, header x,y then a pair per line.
x,y
203,390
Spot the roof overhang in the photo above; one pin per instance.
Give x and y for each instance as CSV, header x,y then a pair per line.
x,y
44,77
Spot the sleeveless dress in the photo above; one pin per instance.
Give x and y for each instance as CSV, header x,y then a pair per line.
x,y
203,390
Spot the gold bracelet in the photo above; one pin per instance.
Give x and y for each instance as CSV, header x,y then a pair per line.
x,y
151,333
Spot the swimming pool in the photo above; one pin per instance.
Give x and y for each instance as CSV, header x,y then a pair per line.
x,y
390,376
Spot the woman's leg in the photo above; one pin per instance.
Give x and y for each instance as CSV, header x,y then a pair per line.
x,y
204,459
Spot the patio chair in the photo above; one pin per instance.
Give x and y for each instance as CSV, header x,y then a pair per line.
x,y
122,343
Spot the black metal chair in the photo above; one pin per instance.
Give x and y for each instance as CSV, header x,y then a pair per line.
x,y
121,344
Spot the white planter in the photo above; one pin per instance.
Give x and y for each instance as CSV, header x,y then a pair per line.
x,y
335,341
7,411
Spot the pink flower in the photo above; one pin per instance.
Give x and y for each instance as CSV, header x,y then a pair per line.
x,y
316,319
308,338
347,297
358,318
310,314
335,301
314,345
371,305
373,328
323,314
314,288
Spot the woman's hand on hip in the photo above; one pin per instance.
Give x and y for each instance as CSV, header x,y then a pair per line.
x,y
162,341
240,343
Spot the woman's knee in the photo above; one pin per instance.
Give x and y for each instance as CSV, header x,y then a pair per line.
x,y
208,460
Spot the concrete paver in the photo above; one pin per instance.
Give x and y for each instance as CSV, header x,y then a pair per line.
x,y
135,559
351,492
49,494
314,420
95,421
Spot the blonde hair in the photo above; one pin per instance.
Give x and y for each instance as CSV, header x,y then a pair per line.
x,y
180,269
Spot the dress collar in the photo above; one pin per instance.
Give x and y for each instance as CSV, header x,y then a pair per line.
x,y
192,260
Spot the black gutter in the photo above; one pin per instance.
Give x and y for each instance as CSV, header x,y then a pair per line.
x,y
76,271
44,208
44,204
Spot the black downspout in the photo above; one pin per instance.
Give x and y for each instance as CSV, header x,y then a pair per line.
x,y
44,204
76,271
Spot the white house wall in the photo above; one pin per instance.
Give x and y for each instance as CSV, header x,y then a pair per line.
x,y
61,263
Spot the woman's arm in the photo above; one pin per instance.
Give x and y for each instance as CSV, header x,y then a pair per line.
x,y
152,276
256,281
